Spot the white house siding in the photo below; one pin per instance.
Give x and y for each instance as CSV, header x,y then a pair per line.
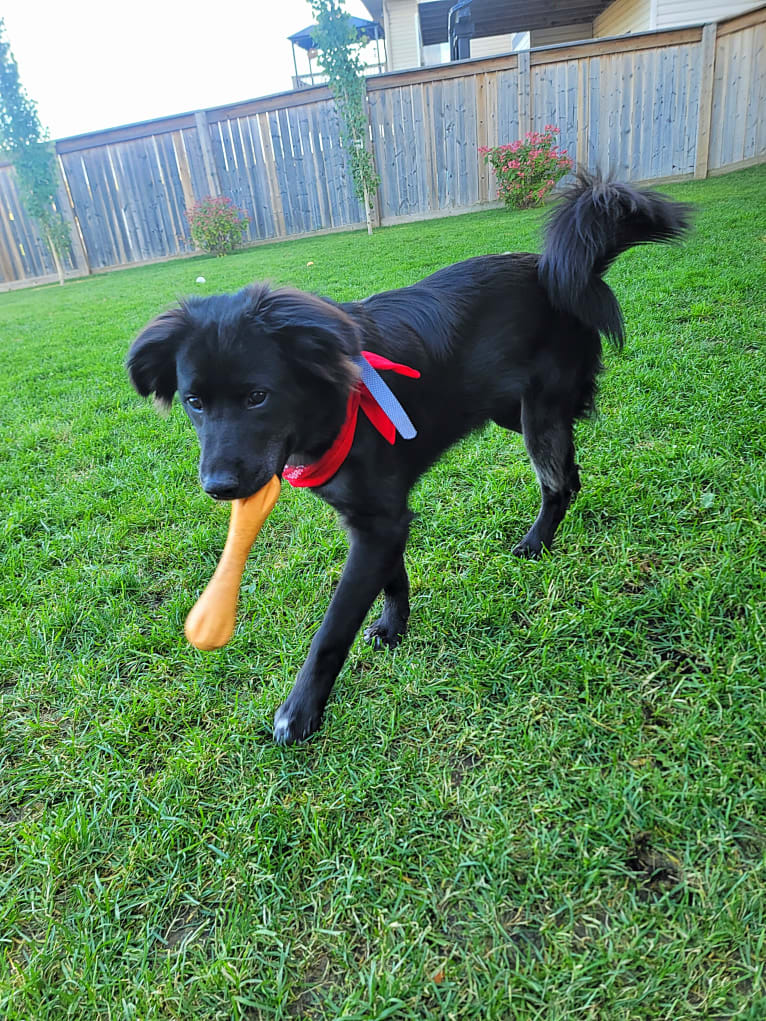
x,y
563,34
624,16
673,13
489,45
402,34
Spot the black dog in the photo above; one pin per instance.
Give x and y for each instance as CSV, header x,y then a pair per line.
x,y
270,377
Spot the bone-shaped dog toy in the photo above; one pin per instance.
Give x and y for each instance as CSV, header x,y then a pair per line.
x,y
211,622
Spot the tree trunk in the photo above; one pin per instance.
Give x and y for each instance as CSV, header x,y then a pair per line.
x,y
368,210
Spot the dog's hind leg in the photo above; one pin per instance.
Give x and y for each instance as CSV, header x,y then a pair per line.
x,y
390,627
548,439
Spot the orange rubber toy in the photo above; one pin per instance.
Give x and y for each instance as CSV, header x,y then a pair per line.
x,y
212,620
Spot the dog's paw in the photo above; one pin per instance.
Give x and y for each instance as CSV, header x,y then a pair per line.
x,y
528,548
294,723
381,634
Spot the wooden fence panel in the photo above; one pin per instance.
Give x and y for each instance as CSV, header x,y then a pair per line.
x,y
403,137
738,126
193,159
298,173
555,90
507,124
130,199
449,114
639,117
24,254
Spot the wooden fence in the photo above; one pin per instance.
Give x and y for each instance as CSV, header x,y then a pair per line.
x,y
654,106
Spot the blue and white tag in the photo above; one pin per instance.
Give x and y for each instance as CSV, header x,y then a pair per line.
x,y
387,400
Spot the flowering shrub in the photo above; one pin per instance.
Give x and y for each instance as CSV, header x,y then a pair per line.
x,y
527,169
217,226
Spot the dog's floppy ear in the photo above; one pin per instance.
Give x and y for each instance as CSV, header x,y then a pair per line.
x,y
151,361
322,336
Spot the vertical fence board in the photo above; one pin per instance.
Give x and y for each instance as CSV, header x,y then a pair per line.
x,y
316,218
132,236
449,127
420,168
649,114
239,190
295,175
398,155
482,136
508,126
440,99
525,93
433,172
755,122
281,158
262,220
74,171
594,112
718,102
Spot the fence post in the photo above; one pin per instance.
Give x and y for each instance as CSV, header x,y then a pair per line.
x,y
203,133
707,82
525,94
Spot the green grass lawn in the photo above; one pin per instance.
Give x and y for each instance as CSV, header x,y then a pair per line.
x,y
550,802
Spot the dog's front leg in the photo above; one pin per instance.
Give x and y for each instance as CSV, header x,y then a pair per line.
x,y
374,555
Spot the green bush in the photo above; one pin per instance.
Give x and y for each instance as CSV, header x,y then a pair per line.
x,y
526,170
217,225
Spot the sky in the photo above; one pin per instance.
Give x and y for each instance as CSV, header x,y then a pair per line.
x,y
92,64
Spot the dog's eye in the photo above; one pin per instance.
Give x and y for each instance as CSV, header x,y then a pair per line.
x,y
194,402
256,398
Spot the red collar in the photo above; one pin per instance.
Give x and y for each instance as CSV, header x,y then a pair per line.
x,y
321,471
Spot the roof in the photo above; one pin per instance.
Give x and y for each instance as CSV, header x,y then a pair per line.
x,y
364,28
375,7
498,17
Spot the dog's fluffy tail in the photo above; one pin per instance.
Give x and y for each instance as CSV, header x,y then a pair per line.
x,y
595,222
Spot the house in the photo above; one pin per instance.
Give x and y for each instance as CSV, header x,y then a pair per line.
x,y
417,32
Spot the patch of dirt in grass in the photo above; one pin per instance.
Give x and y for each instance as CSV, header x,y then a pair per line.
x,y
591,925
153,597
525,938
55,723
11,816
750,841
643,574
462,766
650,716
684,662
319,978
656,871
188,925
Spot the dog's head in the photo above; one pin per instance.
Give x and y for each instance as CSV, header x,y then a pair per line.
x,y
261,374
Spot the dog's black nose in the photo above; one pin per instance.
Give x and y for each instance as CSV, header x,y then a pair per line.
x,y
221,487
